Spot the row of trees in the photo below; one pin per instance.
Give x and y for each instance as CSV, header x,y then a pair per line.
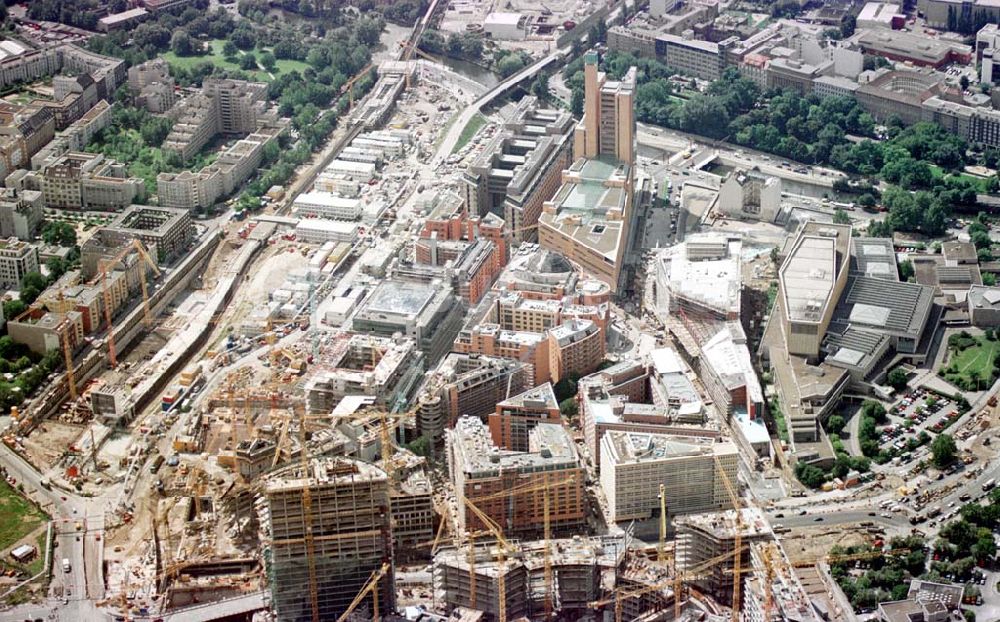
x,y
464,46
403,12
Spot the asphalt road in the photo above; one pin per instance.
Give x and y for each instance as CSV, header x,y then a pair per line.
x,y
84,570
835,517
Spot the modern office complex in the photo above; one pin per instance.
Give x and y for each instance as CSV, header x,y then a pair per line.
x,y
653,395
692,471
467,384
515,417
589,220
387,370
841,314
427,313
520,167
699,279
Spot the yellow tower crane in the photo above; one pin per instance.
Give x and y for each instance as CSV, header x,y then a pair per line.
x,y
62,306
544,487
661,552
692,574
737,540
104,267
768,580
308,518
370,587
503,548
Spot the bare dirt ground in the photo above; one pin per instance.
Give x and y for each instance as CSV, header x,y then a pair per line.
x,y
50,441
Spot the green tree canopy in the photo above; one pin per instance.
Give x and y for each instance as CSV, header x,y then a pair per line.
x,y
943,450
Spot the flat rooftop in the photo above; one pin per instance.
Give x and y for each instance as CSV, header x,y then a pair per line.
x,y
920,47
400,298
590,204
550,448
809,272
728,356
874,257
723,525
541,396
638,447
712,281
326,471
982,297
893,306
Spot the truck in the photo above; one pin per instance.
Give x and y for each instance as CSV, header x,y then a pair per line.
x,y
989,485
65,564
155,465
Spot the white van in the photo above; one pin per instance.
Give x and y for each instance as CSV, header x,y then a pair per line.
x,y
65,564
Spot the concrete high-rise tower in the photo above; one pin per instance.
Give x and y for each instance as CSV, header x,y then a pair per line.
x,y
608,124
351,533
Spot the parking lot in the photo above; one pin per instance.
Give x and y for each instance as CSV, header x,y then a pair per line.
x,y
914,419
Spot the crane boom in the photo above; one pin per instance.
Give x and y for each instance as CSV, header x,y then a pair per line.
x,y
737,541
503,546
370,587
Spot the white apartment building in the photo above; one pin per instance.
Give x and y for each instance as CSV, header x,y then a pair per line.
x,y
319,204
17,259
318,231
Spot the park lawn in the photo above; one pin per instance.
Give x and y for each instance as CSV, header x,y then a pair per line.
x,y
18,516
217,59
940,173
285,65
475,124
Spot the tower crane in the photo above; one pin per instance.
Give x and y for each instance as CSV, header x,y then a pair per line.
x,y
370,587
530,488
308,523
696,572
661,553
737,541
502,549
349,85
104,267
62,305
768,580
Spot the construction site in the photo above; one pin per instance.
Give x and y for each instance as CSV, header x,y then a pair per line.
x,y
368,402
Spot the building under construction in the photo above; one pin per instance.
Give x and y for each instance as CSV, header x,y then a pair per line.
x,y
329,532
386,369
773,592
511,487
582,569
702,537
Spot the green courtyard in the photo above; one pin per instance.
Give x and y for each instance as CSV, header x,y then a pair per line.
x,y
972,361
